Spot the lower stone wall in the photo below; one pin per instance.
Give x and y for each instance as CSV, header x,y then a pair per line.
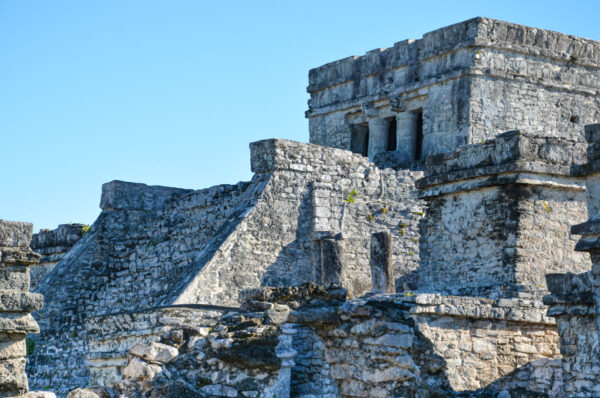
x,y
97,353
311,376
433,345
111,337
572,304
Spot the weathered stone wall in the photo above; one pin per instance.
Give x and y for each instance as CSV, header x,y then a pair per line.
x,y
499,215
52,246
309,198
206,246
425,345
575,298
16,305
506,343
472,81
572,304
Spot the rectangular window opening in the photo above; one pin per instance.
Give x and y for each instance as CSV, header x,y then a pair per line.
x,y
391,144
359,142
419,135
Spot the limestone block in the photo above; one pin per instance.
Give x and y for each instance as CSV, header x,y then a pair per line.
x,y
15,234
219,390
18,323
88,393
12,346
19,256
387,375
12,376
155,352
14,301
40,394
140,370
14,278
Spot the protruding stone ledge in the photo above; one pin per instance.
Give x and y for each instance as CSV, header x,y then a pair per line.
x,y
18,256
517,310
18,323
133,196
513,157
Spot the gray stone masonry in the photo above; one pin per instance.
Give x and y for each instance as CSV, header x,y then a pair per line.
x,y
499,215
467,82
575,298
52,246
16,305
437,275
155,246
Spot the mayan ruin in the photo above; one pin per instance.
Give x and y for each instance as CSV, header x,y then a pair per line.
x,y
439,236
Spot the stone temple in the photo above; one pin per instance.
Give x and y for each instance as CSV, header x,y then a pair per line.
x,y
437,237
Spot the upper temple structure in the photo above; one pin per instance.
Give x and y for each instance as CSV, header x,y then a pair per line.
x,y
437,237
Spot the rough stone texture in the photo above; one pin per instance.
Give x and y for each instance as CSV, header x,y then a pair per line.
x,y
52,246
499,215
206,246
418,345
472,81
575,298
382,271
572,304
16,304
246,355
464,318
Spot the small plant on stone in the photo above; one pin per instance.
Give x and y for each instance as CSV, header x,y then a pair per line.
x,y
410,253
384,210
29,345
401,232
409,294
419,213
203,382
85,229
350,198
370,217
547,207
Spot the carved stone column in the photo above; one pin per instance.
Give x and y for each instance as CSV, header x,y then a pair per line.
x,y
378,136
406,139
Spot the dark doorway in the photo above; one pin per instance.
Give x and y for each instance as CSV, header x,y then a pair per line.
x,y
419,135
391,145
359,142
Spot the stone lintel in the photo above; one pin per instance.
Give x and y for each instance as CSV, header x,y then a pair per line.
x,y
511,157
124,195
15,233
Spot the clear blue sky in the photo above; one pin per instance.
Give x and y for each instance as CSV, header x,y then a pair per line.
x,y
171,92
